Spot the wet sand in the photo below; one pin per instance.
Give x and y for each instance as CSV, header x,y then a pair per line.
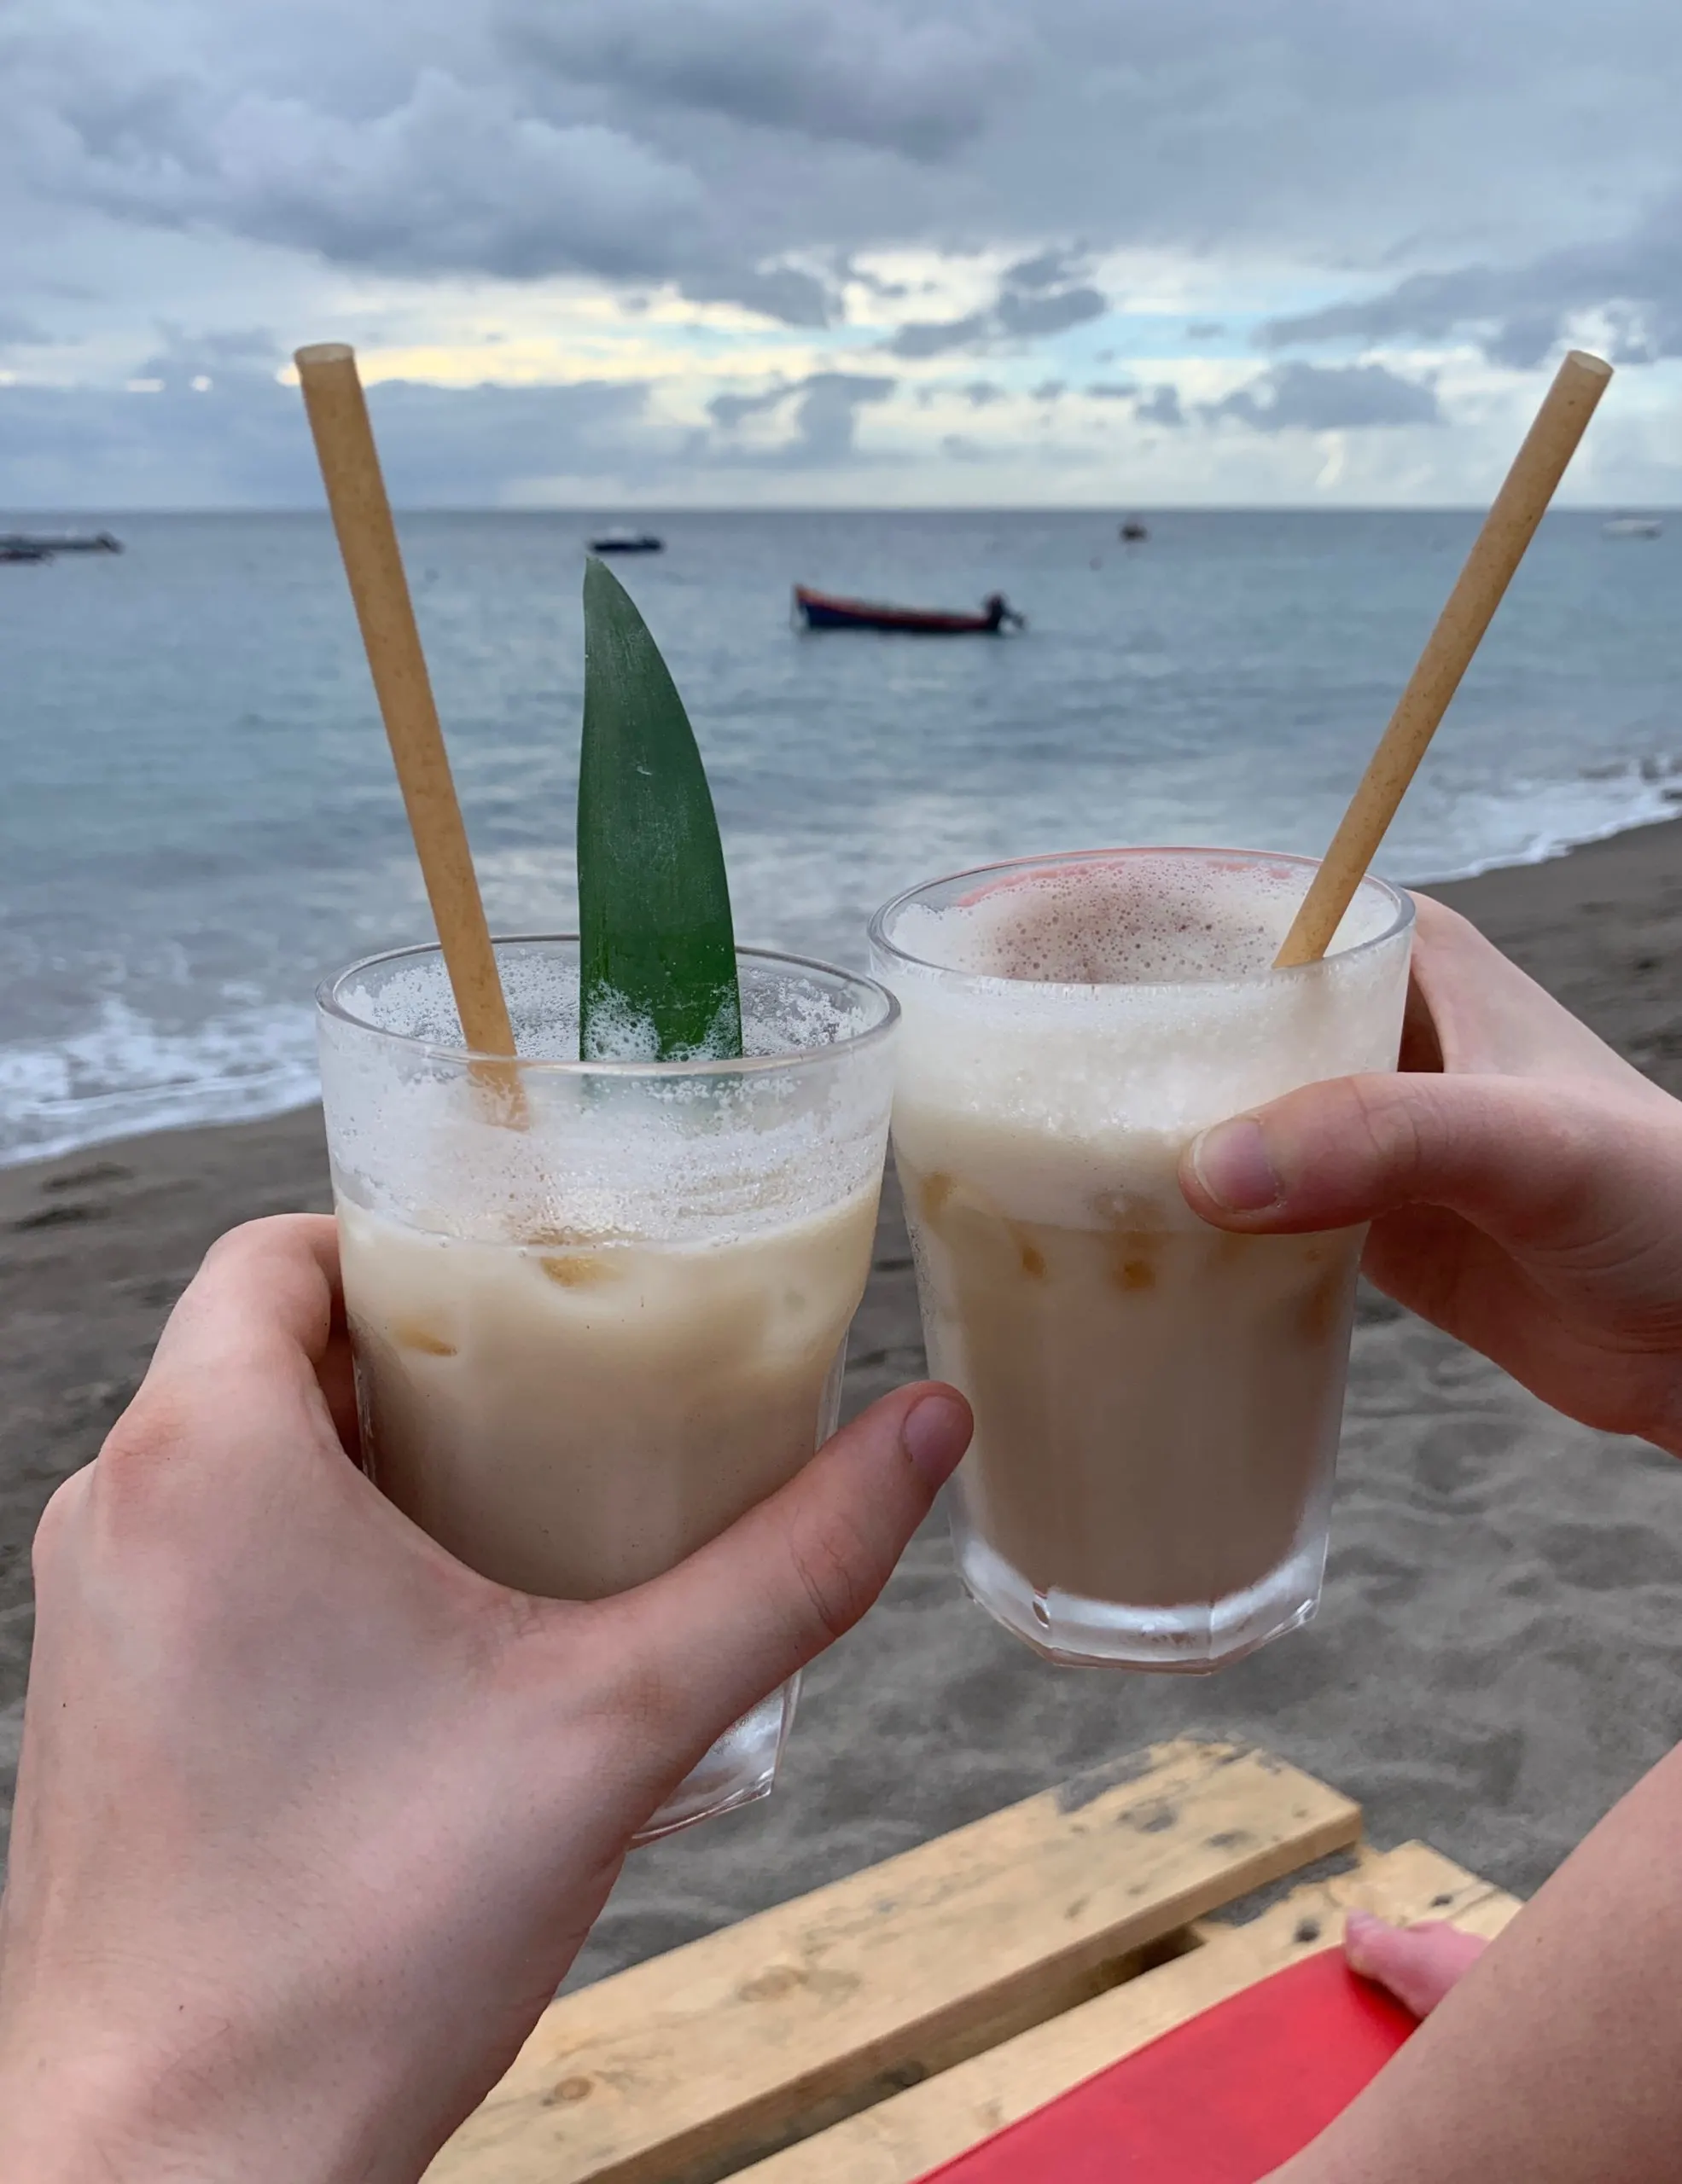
x,y
1500,1653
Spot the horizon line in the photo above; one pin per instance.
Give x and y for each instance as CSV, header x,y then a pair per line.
x,y
597,509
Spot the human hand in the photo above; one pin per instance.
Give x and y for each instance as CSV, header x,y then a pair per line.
x,y
311,1820
1524,1185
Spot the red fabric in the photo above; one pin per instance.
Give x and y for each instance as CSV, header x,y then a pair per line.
x,y
1220,2100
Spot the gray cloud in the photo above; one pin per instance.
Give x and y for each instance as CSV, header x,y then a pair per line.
x,y
244,443
1519,313
1026,306
1112,390
1159,405
980,394
1445,157
1046,268
249,354
728,410
1025,316
1205,329
933,337
729,144
1295,396
872,283
824,414
1049,390
917,81
826,417
19,332
453,177
778,292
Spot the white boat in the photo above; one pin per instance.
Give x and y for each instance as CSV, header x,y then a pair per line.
x,y
1631,526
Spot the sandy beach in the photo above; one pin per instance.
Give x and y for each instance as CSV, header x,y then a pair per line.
x,y
1496,1661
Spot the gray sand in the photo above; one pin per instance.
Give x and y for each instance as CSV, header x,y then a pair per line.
x,y
1499,1656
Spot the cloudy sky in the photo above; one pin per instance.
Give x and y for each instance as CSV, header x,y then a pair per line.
x,y
646,252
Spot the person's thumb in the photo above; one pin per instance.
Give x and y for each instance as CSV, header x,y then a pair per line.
x,y
1523,1160
713,1636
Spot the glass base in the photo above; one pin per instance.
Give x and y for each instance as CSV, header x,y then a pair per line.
x,y
1193,1639
737,1770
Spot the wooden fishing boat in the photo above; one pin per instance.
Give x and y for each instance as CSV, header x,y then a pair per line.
x,y
820,610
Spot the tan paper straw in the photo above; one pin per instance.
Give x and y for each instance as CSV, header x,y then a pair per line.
x,y
361,516
1508,529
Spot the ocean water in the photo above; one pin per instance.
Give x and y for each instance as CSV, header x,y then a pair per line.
x,y
198,818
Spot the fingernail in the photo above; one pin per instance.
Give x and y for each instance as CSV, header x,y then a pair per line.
x,y
1361,1930
934,1435
1230,1162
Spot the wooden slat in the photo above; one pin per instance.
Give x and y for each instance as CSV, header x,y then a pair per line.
x,y
685,2069
901,2139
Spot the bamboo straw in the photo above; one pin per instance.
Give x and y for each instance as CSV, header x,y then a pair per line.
x,y
1499,548
362,517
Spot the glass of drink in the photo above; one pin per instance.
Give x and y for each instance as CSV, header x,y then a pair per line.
x,y
1157,1402
600,1310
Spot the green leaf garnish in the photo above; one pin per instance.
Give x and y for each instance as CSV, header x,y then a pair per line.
x,y
657,947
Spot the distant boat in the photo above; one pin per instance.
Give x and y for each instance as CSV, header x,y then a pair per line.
x,y
35,546
640,542
1633,526
821,612
1133,531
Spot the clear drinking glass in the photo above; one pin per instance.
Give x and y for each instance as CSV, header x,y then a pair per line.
x,y
1157,1402
600,1310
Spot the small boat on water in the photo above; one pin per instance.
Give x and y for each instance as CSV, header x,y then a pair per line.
x,y
819,610
1631,526
1132,531
628,542
24,545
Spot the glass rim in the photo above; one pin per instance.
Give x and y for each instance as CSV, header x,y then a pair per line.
x,y
330,1004
1402,920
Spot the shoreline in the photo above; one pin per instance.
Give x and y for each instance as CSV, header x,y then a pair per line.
x,y
1494,1662
70,1148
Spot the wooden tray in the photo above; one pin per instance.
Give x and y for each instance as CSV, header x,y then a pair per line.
x,y
868,2031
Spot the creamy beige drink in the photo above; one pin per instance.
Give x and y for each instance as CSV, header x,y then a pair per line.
x,y
1157,1404
1156,1408
574,1419
599,1308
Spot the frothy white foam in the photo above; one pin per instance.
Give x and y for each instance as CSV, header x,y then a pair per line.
x,y
782,1013
596,1155
1067,1028
1127,921
123,1074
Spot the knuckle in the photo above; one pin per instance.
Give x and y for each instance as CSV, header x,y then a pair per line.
x,y
249,1238
139,1455
1365,1144
1386,1113
831,1563
55,1532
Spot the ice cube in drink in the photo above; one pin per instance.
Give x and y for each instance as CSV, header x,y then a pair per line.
x,y
572,1418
